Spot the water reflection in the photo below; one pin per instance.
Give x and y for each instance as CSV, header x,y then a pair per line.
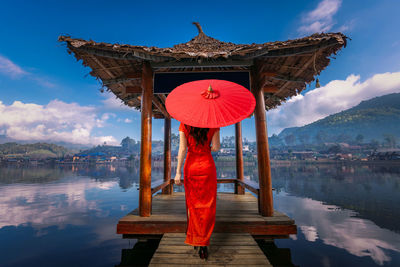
x,y
339,228
66,215
373,192
59,217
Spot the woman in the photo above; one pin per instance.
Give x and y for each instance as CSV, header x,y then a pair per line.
x,y
200,182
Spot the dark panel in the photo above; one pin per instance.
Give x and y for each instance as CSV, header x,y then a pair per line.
x,y
166,82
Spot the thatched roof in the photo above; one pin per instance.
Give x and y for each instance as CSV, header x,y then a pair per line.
x,y
287,66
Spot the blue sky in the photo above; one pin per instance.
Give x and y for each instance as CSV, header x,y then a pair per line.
x,y
45,94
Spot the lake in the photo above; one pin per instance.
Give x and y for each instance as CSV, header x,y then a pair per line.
x,y
347,215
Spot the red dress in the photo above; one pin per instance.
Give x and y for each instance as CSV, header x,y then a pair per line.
x,y
200,182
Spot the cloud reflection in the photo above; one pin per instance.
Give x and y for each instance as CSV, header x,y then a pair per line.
x,y
338,227
49,204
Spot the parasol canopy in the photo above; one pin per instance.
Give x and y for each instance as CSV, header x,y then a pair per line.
x,y
210,103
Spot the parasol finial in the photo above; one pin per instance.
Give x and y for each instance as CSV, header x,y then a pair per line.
x,y
210,93
198,27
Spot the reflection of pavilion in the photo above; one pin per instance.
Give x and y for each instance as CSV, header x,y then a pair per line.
x,y
142,77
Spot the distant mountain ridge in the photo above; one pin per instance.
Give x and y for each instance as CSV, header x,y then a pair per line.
x,y
372,119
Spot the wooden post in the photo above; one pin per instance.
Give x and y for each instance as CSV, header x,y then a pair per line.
x,y
264,168
239,158
145,145
167,155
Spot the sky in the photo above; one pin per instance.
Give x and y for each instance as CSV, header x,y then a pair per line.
x,y
46,95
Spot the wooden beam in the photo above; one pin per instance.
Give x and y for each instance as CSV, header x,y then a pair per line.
x,y
156,186
167,156
109,73
133,89
269,73
270,89
252,186
162,98
264,167
160,107
253,228
219,180
131,55
239,189
300,71
299,50
204,63
145,195
158,116
120,80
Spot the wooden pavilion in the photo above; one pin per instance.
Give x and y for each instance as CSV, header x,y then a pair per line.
x,y
143,76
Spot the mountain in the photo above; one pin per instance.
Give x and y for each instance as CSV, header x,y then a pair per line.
x,y
374,119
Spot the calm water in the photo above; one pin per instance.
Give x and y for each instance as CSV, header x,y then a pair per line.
x,y
67,216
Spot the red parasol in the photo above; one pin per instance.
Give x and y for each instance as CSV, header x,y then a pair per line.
x,y
210,103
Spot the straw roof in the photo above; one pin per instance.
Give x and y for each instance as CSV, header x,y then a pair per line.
x,y
285,67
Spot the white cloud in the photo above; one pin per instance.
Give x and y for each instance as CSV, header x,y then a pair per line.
x,y
56,121
113,103
321,18
9,68
127,120
334,97
12,70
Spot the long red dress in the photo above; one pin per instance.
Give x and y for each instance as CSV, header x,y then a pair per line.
x,y
200,182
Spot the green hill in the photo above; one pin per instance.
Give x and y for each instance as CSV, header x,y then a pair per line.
x,y
374,119
37,150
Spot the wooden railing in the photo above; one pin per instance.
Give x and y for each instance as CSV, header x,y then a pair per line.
x,y
250,185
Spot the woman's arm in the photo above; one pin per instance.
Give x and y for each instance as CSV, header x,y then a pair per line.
x,y
215,143
181,156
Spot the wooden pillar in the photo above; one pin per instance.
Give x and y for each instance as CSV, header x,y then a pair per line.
x,y
145,145
239,158
264,168
167,155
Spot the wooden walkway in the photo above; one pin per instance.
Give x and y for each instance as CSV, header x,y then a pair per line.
x,y
235,214
225,249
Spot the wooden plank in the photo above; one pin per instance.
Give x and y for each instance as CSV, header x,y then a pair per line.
x,y
235,213
225,249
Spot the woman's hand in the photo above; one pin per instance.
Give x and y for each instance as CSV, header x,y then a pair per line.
x,y
178,179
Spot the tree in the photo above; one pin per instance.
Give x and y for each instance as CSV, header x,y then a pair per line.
x,y
390,140
128,144
335,149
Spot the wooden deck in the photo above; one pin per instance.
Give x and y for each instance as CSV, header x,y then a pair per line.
x,y
226,249
235,214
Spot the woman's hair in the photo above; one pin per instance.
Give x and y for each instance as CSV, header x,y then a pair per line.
x,y
199,134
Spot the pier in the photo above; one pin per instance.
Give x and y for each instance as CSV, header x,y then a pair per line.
x,y
235,214
226,249
142,77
